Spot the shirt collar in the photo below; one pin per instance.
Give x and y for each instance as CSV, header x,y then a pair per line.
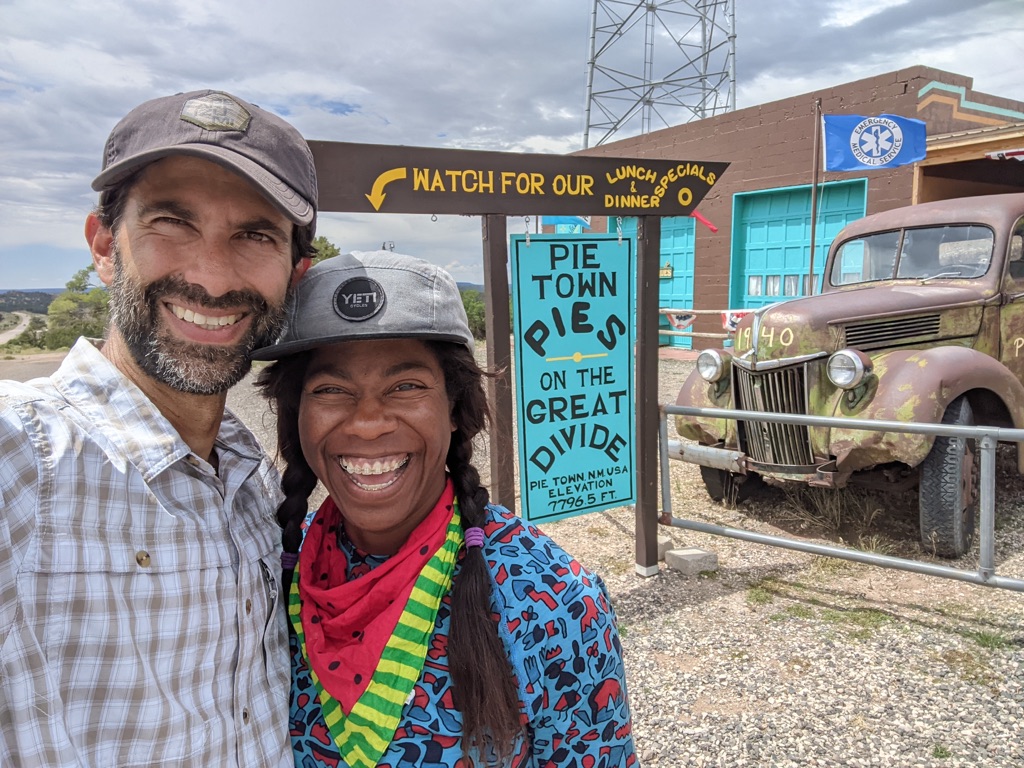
x,y
121,411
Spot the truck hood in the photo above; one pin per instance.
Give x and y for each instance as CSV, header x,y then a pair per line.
x,y
875,317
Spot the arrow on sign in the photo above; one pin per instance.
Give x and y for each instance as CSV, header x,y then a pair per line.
x,y
376,197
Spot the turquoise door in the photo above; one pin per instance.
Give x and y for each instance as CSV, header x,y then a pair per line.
x,y
772,239
676,263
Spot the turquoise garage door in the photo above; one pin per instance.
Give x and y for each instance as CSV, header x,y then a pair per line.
x,y
772,239
676,262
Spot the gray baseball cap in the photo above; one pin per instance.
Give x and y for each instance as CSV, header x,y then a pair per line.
x,y
372,295
226,130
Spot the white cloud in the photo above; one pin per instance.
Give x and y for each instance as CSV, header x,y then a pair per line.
x,y
447,73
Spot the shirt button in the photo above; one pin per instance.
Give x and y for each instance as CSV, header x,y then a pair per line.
x,y
245,715
248,607
142,558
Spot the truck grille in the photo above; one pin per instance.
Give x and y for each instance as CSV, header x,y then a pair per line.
x,y
781,390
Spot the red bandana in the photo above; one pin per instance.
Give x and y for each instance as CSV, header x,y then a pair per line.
x,y
348,623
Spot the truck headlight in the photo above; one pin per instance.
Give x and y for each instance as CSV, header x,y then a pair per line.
x,y
713,365
847,368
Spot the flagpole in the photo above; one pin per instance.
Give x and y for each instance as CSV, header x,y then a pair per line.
x,y
814,188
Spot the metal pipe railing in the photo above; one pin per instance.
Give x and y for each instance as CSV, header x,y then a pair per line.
x,y
988,438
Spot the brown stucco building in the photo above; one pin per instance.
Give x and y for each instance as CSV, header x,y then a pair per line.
x,y
761,207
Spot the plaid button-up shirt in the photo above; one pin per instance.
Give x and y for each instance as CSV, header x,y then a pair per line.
x,y
140,619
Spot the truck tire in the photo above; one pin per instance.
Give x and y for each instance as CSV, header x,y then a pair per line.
x,y
730,487
948,493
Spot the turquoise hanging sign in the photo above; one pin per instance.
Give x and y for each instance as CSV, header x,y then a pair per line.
x,y
573,307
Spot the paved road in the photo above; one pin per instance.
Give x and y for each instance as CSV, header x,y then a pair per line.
x,y
23,319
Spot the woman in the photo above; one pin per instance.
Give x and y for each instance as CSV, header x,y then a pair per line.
x,y
430,628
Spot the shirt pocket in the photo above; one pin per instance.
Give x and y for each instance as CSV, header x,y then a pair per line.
x,y
140,625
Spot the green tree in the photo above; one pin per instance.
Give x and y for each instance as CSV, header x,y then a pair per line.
x,y
323,249
80,311
475,312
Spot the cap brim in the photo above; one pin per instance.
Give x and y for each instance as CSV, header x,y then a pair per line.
x,y
277,351
290,202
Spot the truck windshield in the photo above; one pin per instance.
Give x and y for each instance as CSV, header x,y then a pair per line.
x,y
948,252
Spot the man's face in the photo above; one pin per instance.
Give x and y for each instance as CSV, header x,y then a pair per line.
x,y
199,272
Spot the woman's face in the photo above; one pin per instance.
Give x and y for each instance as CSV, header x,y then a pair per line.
x,y
375,426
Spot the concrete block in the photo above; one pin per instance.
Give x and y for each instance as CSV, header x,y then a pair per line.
x,y
664,545
691,561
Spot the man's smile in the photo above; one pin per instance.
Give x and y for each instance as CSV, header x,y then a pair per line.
x,y
204,321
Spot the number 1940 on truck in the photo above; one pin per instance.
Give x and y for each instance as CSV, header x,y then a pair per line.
x,y
920,319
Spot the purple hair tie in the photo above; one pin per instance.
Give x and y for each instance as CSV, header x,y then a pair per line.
x,y
474,537
289,560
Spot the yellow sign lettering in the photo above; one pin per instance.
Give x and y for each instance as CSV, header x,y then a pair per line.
x,y
522,183
631,201
637,172
575,185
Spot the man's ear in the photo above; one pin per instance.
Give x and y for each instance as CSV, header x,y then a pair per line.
x,y
300,269
101,245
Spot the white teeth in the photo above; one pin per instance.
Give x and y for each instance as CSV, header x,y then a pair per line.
x,y
377,467
378,487
209,323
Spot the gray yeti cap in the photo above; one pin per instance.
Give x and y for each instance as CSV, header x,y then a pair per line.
x,y
222,128
373,295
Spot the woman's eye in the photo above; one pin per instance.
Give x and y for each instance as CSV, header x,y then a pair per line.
x,y
326,389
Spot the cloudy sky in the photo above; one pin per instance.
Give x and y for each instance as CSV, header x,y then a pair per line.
x,y
464,74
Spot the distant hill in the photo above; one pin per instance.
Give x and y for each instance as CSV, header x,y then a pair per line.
x,y
470,287
30,300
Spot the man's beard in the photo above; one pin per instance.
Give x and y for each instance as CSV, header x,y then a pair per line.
x,y
190,367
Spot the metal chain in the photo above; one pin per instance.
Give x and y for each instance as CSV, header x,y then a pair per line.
x,y
618,227
527,231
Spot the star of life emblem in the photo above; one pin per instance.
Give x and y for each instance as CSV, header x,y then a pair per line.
x,y
876,140
216,112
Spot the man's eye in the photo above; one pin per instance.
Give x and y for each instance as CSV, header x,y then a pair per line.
x,y
259,237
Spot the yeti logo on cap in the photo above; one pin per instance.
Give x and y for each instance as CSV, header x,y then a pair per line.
x,y
358,299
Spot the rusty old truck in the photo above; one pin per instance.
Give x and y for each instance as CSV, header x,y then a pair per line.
x,y
920,319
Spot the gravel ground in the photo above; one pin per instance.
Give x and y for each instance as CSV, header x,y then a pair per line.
x,y
787,659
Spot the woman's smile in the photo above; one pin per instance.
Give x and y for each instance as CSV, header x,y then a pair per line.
x,y
374,474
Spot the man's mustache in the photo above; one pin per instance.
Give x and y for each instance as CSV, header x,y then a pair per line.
x,y
196,294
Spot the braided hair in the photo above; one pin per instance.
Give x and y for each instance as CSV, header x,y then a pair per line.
x,y
484,686
281,383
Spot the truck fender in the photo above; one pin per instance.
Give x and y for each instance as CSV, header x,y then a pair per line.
x,y
917,385
697,393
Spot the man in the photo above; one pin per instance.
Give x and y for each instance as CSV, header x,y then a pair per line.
x,y
140,618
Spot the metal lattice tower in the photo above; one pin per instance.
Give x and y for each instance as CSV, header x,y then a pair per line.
x,y
696,76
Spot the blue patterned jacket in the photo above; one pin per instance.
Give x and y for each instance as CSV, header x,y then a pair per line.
x,y
558,628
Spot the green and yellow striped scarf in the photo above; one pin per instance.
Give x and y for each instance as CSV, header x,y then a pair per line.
x,y
397,639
